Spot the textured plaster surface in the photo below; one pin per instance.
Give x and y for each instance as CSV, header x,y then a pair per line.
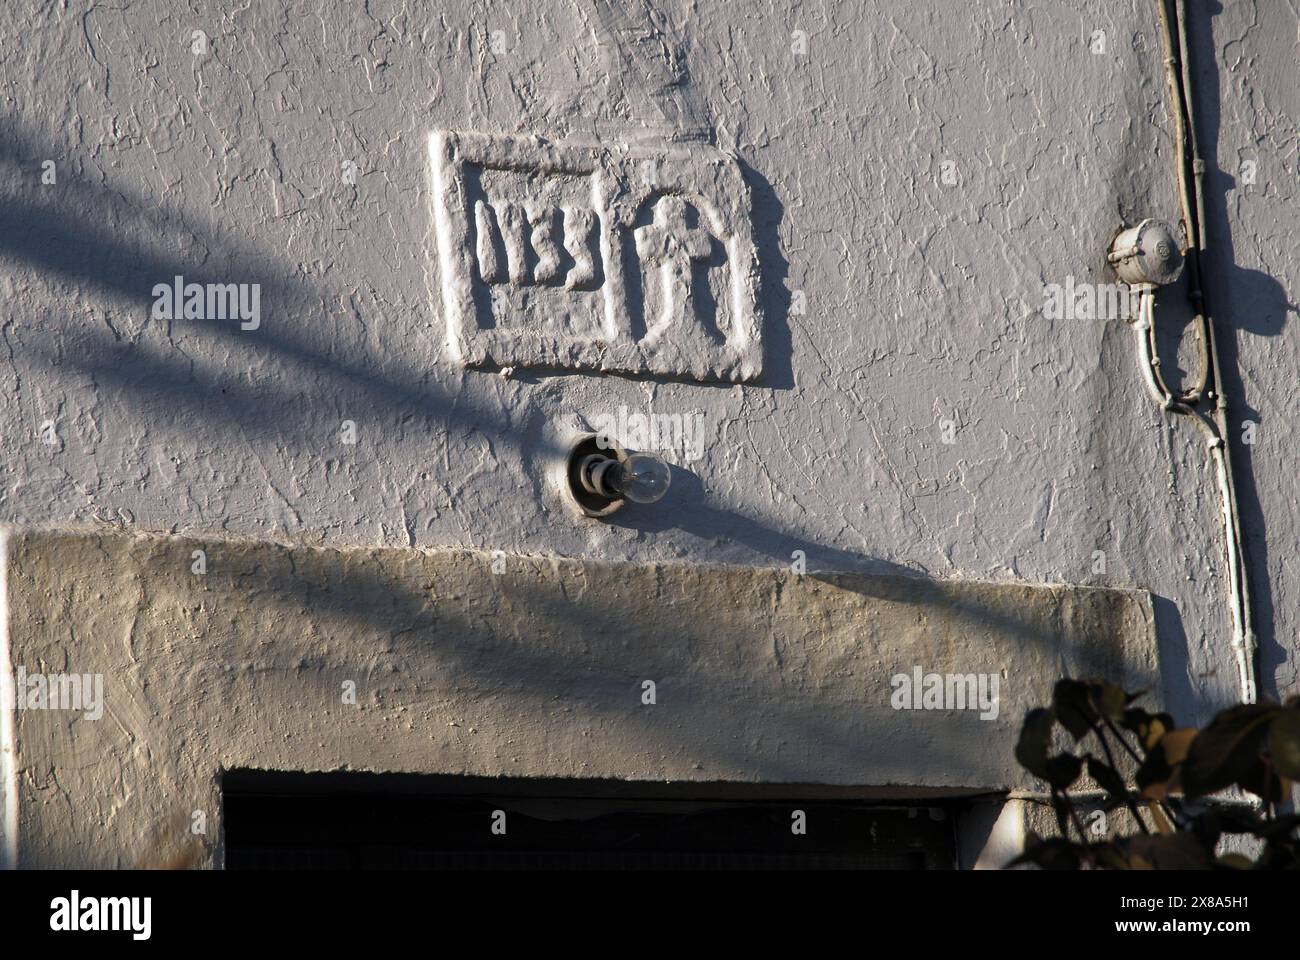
x,y
466,663
894,301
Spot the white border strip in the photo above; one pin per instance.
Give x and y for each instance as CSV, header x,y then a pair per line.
x,y
8,723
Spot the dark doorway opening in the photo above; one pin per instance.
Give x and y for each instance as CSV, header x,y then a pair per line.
x,y
278,820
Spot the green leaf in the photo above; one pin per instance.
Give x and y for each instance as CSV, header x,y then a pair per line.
x,y
1284,743
1156,771
1228,752
1035,741
1160,772
1081,704
1149,727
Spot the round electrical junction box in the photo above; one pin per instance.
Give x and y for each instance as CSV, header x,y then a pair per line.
x,y
1147,254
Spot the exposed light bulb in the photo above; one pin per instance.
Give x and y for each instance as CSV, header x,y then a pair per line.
x,y
600,483
643,478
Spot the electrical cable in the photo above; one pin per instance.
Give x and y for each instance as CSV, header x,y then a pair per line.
x,y
1208,385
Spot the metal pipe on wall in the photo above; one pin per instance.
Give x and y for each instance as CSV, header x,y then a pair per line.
x,y
1209,385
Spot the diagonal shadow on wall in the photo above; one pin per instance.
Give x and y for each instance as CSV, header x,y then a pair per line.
x,y
101,238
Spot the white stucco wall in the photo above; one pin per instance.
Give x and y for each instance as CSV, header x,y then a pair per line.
x,y
922,297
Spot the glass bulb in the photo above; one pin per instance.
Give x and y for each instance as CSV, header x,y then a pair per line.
x,y
644,478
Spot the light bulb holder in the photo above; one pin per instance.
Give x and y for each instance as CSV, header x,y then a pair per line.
x,y
591,474
601,476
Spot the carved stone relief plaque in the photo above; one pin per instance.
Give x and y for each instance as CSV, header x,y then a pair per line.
x,y
573,256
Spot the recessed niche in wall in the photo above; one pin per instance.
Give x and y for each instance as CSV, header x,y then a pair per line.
x,y
278,820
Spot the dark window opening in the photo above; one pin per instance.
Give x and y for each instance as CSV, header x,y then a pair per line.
x,y
277,820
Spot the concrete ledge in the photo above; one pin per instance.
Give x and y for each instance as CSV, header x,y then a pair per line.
x,y
509,666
